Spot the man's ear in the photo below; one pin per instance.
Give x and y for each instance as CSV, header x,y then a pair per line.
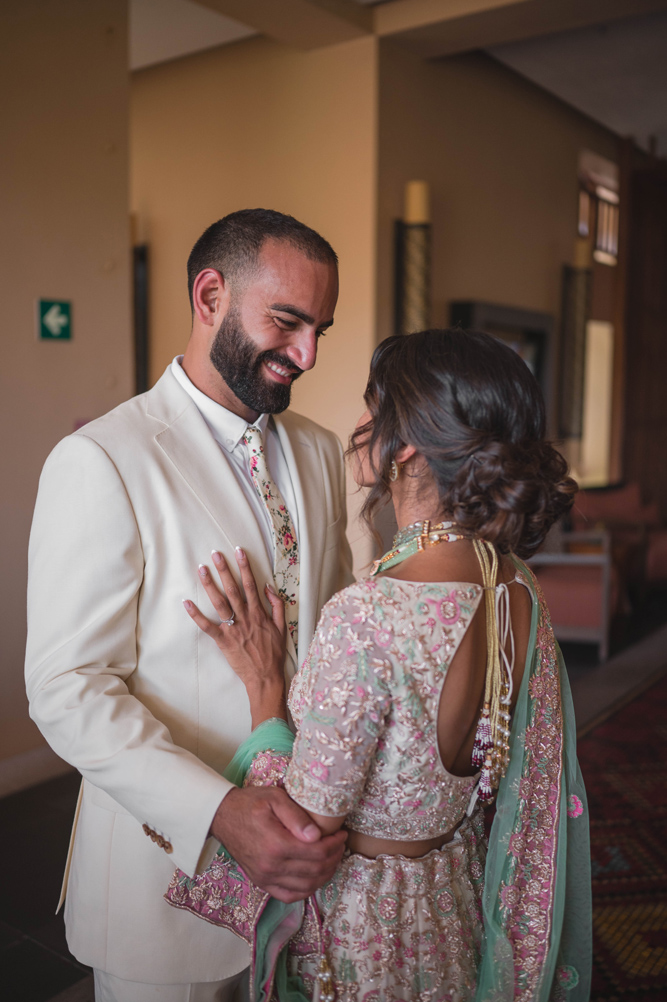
x,y
210,297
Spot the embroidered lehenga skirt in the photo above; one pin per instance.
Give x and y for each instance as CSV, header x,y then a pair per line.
x,y
404,929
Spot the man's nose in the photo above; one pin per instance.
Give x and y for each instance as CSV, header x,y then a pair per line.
x,y
303,350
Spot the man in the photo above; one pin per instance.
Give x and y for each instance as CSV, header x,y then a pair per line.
x,y
120,680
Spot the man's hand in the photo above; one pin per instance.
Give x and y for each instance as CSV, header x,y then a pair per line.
x,y
276,842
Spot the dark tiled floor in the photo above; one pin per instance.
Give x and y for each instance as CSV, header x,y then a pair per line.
x,y
35,964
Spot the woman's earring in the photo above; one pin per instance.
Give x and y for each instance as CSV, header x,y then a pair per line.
x,y
394,471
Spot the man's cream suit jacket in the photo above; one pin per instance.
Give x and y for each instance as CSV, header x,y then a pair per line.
x,y
121,682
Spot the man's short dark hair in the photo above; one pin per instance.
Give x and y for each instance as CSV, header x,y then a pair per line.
x,y
232,245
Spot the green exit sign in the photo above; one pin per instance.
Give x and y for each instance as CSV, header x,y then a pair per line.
x,y
54,320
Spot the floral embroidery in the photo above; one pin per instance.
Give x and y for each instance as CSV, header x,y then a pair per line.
x,y
379,949
365,702
567,977
285,546
574,806
526,896
366,705
449,611
222,894
319,771
267,769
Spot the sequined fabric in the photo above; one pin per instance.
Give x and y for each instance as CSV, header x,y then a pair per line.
x,y
527,893
404,930
366,706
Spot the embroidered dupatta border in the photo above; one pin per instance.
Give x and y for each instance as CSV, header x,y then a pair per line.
x,y
526,869
527,894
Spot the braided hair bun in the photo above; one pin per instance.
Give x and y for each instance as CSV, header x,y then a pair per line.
x,y
471,407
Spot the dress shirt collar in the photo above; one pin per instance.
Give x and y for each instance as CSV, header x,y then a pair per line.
x,y
226,427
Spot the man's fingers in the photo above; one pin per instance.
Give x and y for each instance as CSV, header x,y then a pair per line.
x,y
317,869
297,821
250,824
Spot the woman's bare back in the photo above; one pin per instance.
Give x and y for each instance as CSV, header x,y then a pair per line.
x,y
463,691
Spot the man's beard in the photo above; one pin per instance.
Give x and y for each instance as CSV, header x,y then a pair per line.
x,y
235,357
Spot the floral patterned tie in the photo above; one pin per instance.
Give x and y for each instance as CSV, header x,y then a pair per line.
x,y
285,546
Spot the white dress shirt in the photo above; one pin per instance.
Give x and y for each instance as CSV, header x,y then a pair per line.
x,y
228,430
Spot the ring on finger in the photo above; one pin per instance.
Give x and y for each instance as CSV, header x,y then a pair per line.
x,y
230,621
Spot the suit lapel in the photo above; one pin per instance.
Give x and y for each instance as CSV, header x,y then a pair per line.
x,y
301,453
189,445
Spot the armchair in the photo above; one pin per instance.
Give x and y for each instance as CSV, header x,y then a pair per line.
x,y
580,584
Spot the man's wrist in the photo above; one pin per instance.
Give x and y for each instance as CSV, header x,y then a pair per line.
x,y
217,824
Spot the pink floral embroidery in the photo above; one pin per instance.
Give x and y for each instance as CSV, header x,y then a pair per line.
x,y
286,551
358,688
509,896
449,611
574,806
527,895
567,977
383,638
319,771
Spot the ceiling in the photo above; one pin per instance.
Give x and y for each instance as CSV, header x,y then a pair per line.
x,y
616,73
613,68
166,29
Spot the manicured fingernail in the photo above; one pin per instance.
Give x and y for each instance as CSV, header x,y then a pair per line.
x,y
311,832
240,553
269,588
217,558
202,571
188,604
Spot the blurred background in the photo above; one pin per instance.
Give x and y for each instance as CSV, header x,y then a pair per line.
x,y
497,163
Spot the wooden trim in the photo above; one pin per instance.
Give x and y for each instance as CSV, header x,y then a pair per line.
x,y
617,434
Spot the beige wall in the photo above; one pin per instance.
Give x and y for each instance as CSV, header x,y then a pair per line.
x,y
64,235
259,124
332,135
501,157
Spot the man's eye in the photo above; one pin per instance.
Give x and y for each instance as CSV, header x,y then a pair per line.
x,y
287,325
321,333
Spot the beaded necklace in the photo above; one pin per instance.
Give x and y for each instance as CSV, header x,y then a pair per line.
x,y
414,538
491,746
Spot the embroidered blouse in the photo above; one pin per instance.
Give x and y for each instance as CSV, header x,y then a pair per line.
x,y
366,701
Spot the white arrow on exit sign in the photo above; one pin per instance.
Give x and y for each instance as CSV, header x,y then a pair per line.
x,y
54,320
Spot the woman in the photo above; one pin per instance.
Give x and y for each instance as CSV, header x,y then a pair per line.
x,y
428,688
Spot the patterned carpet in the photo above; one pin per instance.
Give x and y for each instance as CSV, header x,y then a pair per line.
x,y
624,762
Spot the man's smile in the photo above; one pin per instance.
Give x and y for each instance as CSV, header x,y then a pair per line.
x,y
281,374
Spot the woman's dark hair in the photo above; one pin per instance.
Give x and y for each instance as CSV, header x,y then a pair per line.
x,y
471,407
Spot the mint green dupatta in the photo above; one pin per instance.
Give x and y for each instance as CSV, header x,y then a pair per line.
x,y
278,922
537,891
